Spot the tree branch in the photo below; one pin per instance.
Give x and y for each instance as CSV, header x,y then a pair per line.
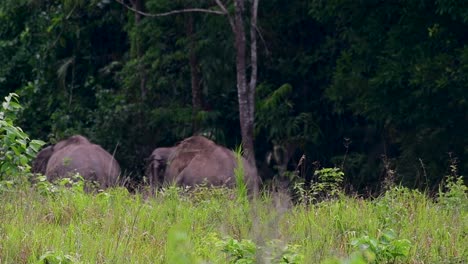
x,y
188,10
259,32
223,8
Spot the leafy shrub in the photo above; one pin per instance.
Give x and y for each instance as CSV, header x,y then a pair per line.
x,y
453,193
75,184
246,251
329,181
16,149
239,252
384,248
392,206
328,185
51,257
283,254
304,195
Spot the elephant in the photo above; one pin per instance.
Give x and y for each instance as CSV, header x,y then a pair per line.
x,y
197,160
77,155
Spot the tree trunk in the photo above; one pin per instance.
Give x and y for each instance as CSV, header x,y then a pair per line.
x,y
245,92
138,5
253,57
197,96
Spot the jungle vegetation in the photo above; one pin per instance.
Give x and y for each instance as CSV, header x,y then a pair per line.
x,y
377,88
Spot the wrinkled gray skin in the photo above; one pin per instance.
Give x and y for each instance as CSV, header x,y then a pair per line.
x,y
198,160
77,155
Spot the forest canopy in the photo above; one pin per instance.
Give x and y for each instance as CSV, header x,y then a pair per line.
x,y
378,88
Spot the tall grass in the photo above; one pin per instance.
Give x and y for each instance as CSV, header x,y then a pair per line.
x,y
209,226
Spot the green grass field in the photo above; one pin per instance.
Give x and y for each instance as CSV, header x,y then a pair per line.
x,y
47,224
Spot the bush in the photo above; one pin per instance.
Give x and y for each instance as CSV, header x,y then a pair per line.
x,y
453,193
16,149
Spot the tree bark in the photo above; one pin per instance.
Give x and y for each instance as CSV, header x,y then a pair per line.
x,y
197,95
138,5
246,93
253,56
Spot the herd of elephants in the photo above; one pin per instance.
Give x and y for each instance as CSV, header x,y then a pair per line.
x,y
193,161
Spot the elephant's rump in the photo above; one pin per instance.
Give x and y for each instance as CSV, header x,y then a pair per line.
x,y
90,161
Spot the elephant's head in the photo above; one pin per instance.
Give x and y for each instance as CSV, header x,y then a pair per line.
x,y
157,165
39,164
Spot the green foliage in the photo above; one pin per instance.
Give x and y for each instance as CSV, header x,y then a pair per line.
x,y
75,184
276,115
179,249
44,187
283,254
119,227
246,251
239,252
408,80
383,249
241,185
454,192
304,195
51,257
390,77
329,184
330,181
354,258
16,149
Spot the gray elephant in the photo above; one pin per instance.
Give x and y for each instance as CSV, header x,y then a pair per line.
x,y
198,160
77,155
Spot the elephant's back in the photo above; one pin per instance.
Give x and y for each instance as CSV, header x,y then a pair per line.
x,y
184,153
215,167
90,160
230,160
105,161
197,160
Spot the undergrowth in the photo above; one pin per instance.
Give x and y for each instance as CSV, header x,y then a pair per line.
x,y
60,223
43,222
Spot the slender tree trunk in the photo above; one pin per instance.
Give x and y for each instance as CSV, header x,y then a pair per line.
x,y
253,57
197,96
138,5
246,93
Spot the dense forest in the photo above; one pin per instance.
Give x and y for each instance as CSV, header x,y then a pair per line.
x,y
377,88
